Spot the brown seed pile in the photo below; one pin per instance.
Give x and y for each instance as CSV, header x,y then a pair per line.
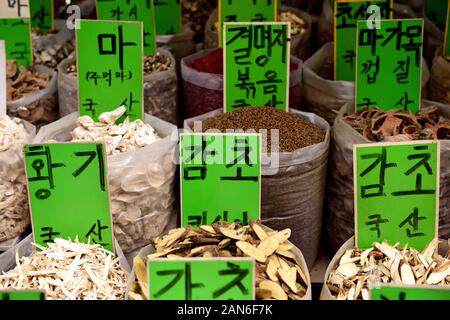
x,y
152,64
21,81
53,55
277,273
294,132
398,125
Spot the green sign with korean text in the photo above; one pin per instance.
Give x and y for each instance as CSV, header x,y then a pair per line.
x,y
388,292
256,65
201,279
246,11
167,17
41,13
220,178
346,14
396,193
17,36
389,65
447,34
68,192
110,72
21,295
436,10
132,10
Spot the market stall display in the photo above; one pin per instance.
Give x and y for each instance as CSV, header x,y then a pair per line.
x,y
281,271
440,78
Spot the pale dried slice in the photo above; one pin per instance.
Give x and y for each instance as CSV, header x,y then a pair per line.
x,y
388,250
271,270
268,246
208,228
252,251
407,274
276,290
232,234
171,238
261,234
140,269
348,270
439,274
282,235
289,277
286,253
263,293
301,274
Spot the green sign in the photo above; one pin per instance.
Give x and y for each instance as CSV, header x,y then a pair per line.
x,y
17,36
201,279
68,192
110,72
246,11
256,71
387,58
131,10
41,13
396,193
447,34
167,17
388,292
21,295
346,14
436,10
220,178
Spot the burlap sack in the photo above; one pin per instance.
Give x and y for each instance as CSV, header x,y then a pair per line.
x,y
300,44
292,194
340,214
160,91
203,92
440,78
324,96
298,258
141,182
325,294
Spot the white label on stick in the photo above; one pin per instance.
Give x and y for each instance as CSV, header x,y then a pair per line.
x,y
14,9
2,78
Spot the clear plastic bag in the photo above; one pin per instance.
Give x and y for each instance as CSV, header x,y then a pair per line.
x,y
141,182
40,107
292,194
324,96
14,210
340,204
62,35
440,79
160,91
203,92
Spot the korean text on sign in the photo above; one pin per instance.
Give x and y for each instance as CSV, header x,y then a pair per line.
x,y
390,292
389,65
17,36
68,192
110,72
246,11
41,13
14,9
346,14
256,66
220,178
132,10
167,17
396,193
201,279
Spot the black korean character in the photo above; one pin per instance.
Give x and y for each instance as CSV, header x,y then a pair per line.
x,y
241,145
369,37
122,76
404,102
96,230
198,172
367,103
240,103
92,75
413,221
178,273
402,70
360,13
371,68
91,155
413,35
349,57
129,102
268,36
89,105
401,296
259,17
107,76
344,12
244,84
133,12
40,16
232,270
225,217
231,18
107,45
378,188
49,234
270,83
273,102
241,55
423,161
116,13
42,165
376,220
17,4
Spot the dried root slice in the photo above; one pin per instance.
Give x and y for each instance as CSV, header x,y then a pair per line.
x,y
276,290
